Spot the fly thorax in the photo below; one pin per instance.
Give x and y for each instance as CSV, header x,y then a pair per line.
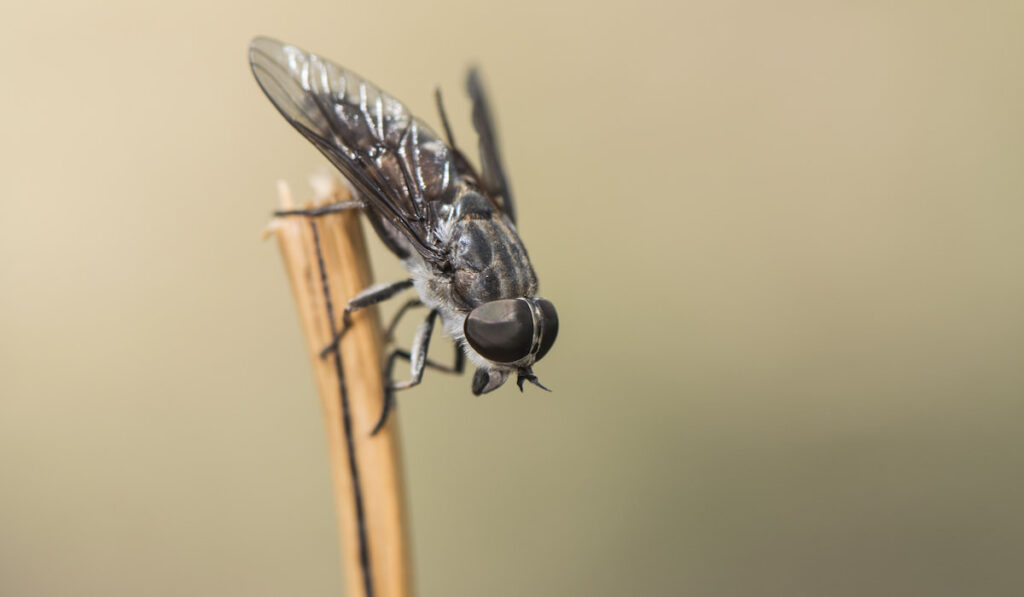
x,y
488,261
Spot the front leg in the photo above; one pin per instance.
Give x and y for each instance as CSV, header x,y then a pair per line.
x,y
418,362
371,296
418,353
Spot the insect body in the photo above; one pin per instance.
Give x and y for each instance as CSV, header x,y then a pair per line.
x,y
454,228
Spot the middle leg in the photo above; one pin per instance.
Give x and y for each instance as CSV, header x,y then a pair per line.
x,y
370,296
389,333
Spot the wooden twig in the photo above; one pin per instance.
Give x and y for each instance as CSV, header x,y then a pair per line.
x,y
327,264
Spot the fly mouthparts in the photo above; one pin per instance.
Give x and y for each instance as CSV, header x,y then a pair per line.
x,y
527,375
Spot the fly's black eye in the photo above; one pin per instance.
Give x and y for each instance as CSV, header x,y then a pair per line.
x,y
501,331
550,326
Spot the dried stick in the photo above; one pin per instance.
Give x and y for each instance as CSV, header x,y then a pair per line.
x,y
327,264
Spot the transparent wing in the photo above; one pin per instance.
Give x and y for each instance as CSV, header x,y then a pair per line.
x,y
492,172
398,165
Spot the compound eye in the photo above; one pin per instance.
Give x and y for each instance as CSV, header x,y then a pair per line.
x,y
550,327
501,331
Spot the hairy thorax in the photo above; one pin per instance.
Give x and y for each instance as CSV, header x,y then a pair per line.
x,y
488,259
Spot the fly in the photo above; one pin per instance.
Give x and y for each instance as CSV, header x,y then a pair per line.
x,y
454,228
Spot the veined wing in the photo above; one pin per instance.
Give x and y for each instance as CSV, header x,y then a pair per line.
x,y
397,163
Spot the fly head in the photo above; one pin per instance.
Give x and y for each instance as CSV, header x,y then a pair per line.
x,y
512,333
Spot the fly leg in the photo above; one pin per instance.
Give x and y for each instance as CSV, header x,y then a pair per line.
x,y
371,296
389,334
418,362
444,117
330,208
460,158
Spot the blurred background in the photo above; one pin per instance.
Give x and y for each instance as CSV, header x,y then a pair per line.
x,y
785,242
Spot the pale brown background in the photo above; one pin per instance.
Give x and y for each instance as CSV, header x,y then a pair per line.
x,y
785,239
